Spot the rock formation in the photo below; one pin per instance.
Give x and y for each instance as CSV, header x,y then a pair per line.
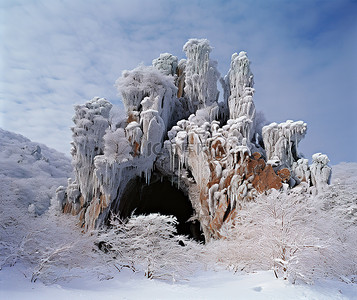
x,y
214,152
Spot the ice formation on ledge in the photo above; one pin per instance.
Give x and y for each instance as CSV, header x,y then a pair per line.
x,y
176,129
281,141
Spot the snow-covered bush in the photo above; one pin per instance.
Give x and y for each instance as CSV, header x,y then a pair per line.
x,y
166,63
62,260
291,234
150,244
116,146
142,82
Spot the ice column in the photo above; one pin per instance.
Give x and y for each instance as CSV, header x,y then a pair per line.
x,y
201,74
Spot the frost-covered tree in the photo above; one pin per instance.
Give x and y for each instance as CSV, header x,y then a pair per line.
x,y
117,147
166,63
147,88
151,244
290,234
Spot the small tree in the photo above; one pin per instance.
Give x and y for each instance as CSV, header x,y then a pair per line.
x,y
117,147
150,243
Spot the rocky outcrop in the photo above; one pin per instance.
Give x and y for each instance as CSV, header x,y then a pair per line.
x,y
175,128
320,171
281,141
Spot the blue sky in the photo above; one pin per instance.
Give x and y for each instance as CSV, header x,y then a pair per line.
x,y
58,53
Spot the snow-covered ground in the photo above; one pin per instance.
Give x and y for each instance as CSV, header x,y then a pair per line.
x,y
43,254
205,285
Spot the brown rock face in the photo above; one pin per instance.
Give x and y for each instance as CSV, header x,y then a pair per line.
x,y
254,165
284,174
180,82
132,118
95,208
218,219
250,176
67,208
266,180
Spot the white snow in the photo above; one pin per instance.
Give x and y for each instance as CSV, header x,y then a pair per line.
x,y
204,285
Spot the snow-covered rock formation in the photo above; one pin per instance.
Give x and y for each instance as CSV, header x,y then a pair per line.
x,y
239,87
216,153
201,74
320,171
281,141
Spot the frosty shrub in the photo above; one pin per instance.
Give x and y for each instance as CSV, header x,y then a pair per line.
x,y
65,259
150,244
55,258
290,234
116,145
141,82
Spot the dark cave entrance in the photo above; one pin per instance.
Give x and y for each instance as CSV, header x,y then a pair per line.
x,y
160,196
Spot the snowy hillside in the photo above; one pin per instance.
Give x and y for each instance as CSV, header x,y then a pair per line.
x,y
43,253
29,176
30,171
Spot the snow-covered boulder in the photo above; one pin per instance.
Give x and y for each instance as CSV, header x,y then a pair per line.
x,y
320,171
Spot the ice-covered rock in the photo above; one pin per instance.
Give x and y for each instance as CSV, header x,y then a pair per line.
x,y
281,141
201,74
180,82
176,129
320,171
302,170
239,87
222,166
91,122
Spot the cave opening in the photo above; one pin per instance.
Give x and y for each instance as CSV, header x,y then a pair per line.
x,y
160,196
